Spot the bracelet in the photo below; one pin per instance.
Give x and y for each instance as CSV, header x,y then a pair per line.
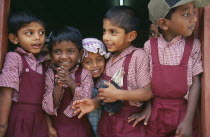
x,y
3,126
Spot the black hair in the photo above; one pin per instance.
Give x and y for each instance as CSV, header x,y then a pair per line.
x,y
19,19
125,17
65,33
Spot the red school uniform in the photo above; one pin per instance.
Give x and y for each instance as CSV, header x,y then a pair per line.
x,y
136,68
170,83
65,121
26,117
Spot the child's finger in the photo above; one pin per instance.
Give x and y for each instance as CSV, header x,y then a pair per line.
x,y
108,83
101,90
138,120
133,117
76,103
62,67
146,119
80,114
60,75
178,132
78,110
101,98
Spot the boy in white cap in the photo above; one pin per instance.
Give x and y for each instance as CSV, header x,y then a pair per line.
x,y
175,64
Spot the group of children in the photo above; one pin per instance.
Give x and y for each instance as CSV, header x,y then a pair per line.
x,y
159,83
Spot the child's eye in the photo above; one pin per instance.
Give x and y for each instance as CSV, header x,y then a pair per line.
x,y
71,51
56,52
28,33
99,60
151,34
113,32
42,32
186,15
87,62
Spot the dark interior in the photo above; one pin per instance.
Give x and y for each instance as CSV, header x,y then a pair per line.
x,y
86,15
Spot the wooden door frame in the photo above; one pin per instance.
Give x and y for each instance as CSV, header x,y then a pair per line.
x,y
4,12
202,31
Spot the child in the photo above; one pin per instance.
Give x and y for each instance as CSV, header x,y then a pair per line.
x,y
129,67
175,61
94,55
66,82
22,79
153,31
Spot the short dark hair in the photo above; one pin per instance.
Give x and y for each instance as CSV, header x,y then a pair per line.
x,y
125,17
65,33
19,19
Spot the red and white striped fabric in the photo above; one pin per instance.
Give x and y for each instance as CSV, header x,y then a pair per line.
x,y
170,53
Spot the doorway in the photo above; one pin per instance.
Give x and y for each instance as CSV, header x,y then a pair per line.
x,y
86,15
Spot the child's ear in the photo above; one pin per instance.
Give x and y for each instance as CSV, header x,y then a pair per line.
x,y
13,38
132,36
163,23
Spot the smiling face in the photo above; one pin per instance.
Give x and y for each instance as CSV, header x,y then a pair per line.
x,y
182,21
115,38
65,54
94,63
31,37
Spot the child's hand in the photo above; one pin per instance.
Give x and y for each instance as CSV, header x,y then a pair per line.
x,y
144,115
108,94
184,129
52,132
64,77
84,106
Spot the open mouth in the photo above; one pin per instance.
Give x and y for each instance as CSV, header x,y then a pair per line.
x,y
192,27
37,46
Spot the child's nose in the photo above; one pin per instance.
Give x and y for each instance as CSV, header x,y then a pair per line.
x,y
105,37
64,56
94,64
193,18
36,36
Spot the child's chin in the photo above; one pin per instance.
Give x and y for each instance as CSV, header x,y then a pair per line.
x,y
96,76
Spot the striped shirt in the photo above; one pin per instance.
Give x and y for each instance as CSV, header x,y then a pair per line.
x,y
171,53
83,91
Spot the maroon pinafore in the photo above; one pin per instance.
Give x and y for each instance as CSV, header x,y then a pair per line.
x,y
117,124
169,85
71,127
26,115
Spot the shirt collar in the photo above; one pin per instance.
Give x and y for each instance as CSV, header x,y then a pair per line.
x,y
124,53
30,55
174,41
